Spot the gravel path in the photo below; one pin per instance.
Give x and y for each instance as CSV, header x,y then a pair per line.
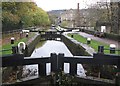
x,y
104,40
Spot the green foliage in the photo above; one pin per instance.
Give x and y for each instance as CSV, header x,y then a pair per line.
x,y
63,79
9,46
17,15
97,13
64,23
52,18
112,36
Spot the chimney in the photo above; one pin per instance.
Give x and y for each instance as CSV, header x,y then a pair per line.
x,y
78,16
78,6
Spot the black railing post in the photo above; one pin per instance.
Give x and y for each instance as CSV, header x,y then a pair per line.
x,y
53,60
73,68
26,51
101,49
14,49
60,61
42,69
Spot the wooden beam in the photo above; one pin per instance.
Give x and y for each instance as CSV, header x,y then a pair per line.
x,y
19,60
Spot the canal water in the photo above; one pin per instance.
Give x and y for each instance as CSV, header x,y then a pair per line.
x,y
49,47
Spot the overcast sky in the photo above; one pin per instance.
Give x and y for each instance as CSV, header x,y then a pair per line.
x,y
48,5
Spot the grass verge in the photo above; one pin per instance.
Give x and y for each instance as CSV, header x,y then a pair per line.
x,y
94,44
7,47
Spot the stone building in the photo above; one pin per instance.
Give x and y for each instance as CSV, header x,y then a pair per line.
x,y
69,17
72,17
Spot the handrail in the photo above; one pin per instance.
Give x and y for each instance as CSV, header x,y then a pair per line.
x,y
96,59
57,62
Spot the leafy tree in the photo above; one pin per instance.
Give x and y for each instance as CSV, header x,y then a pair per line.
x,y
17,15
99,11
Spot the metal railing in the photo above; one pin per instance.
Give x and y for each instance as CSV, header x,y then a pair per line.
x,y
101,49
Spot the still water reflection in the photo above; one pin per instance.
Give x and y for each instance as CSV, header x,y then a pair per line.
x,y
53,47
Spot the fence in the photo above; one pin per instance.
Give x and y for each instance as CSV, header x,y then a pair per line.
x,y
57,65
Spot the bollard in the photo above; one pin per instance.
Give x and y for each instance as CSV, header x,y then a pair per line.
x,y
88,40
101,49
112,48
21,35
72,36
12,40
26,35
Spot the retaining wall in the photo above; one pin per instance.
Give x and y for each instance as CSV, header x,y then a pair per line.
x,y
31,46
74,48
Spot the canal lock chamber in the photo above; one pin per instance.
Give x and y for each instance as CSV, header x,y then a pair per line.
x,y
71,48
